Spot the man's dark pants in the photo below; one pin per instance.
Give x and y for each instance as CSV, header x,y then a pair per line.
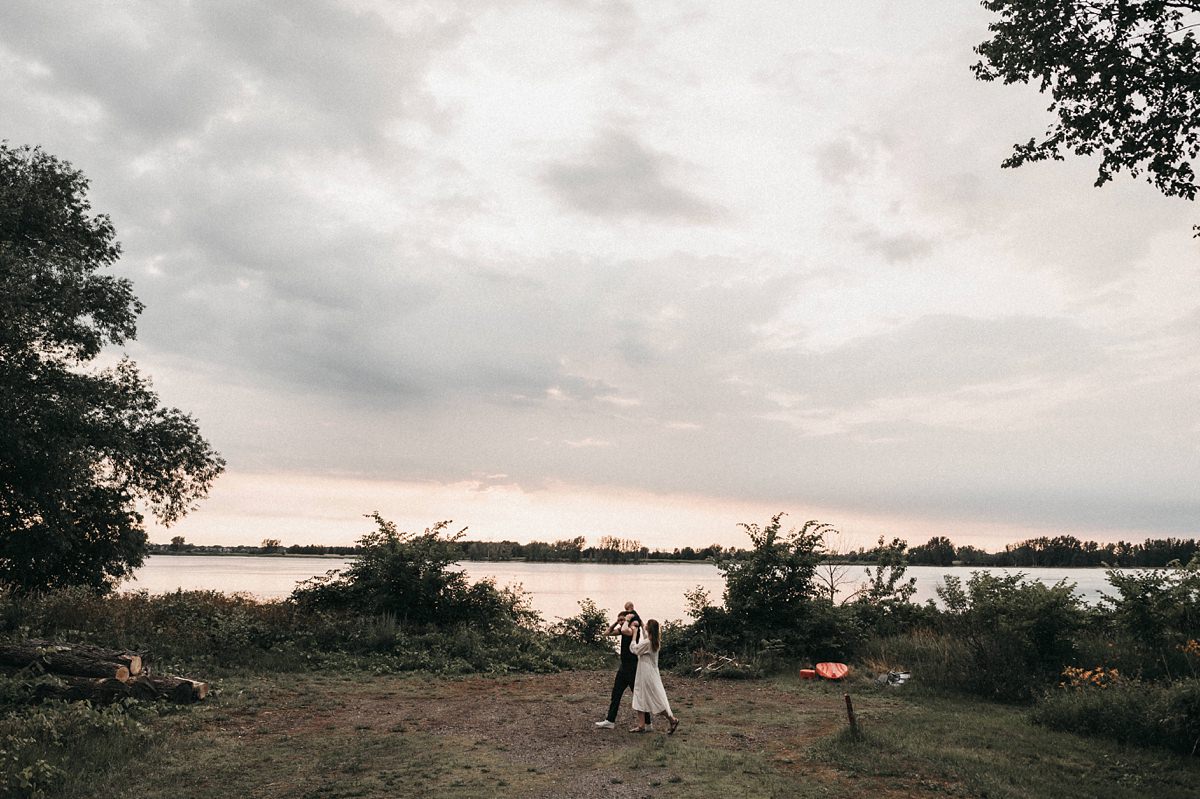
x,y
625,677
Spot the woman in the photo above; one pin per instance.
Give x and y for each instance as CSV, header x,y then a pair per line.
x,y
649,696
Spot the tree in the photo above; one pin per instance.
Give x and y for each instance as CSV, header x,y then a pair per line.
x,y
773,587
937,551
176,543
833,575
271,545
885,586
82,450
1123,75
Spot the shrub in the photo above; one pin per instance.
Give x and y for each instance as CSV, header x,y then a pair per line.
x,y
1128,711
412,577
586,627
44,745
212,633
1154,613
1020,633
769,593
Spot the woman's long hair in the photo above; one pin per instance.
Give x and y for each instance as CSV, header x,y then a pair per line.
x,y
652,631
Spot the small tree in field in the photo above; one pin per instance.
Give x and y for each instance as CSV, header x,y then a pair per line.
x,y
771,589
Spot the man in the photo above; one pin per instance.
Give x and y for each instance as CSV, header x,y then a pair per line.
x,y
624,626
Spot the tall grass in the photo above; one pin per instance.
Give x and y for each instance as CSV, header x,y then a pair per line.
x,y
215,633
1128,711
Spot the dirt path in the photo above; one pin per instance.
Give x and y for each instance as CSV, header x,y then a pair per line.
x,y
532,735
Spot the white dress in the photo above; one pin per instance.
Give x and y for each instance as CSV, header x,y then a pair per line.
x,y
648,692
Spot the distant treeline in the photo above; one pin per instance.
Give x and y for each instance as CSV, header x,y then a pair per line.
x,y
1057,552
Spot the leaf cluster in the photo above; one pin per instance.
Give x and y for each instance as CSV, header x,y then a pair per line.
x,y
1123,77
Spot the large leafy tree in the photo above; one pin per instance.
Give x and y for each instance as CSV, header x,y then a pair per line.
x,y
1123,77
83,450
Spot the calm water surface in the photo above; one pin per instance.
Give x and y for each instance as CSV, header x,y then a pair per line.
x,y
555,588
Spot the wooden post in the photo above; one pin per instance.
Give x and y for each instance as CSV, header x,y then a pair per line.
x,y
851,718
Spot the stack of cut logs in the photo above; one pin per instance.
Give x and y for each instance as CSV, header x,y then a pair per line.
x,y
83,671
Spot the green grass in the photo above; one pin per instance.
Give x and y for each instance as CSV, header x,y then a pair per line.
x,y
357,734
965,747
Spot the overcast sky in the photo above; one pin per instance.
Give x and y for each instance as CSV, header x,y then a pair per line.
x,y
651,269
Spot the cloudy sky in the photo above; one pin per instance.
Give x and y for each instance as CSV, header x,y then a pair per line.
x,y
650,269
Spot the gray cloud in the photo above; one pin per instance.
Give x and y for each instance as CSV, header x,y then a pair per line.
x,y
320,69
894,247
619,177
842,160
336,282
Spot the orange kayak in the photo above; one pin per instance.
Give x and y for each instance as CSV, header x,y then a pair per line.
x,y
832,671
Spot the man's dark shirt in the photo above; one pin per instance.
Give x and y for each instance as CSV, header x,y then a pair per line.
x,y
627,657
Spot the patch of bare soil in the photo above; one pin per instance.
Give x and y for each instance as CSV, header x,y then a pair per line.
x,y
546,723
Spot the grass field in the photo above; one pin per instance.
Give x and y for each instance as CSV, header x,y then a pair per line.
x,y
305,736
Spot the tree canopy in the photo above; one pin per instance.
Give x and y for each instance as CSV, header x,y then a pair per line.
x,y
82,449
1123,77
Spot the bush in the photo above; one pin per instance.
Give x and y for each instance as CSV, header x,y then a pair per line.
x,y
1128,711
1154,614
212,633
1020,633
769,593
586,627
411,576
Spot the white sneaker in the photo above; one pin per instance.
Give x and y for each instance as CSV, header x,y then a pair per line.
x,y
606,724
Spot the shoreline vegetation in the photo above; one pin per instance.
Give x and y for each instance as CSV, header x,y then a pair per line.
x,y
399,672
1044,552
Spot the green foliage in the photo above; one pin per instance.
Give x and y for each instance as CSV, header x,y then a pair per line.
x,y
1154,613
211,634
1124,78
1020,633
412,576
937,660
80,449
886,587
586,627
937,551
1130,711
41,743
769,593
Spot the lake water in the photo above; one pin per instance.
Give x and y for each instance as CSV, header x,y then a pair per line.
x,y
555,588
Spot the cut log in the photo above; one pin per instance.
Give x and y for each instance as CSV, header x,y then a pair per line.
x,y
106,690
130,660
100,690
178,689
62,659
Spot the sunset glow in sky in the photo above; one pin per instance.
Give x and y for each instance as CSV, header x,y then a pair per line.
x,y
609,268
